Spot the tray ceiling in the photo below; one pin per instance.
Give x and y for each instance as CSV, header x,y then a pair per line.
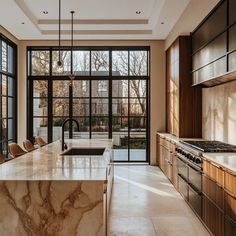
x,y
94,19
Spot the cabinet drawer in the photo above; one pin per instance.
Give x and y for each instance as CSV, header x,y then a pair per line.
x,y
183,187
213,191
230,227
214,172
230,183
213,217
230,206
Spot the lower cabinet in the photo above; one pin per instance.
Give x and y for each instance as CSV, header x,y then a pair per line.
x,y
230,227
167,160
213,217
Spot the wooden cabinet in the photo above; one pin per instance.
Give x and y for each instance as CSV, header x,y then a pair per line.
x,y
230,182
213,217
183,115
213,46
214,171
230,227
219,199
167,160
213,197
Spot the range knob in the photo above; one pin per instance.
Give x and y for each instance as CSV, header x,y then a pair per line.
x,y
198,161
188,156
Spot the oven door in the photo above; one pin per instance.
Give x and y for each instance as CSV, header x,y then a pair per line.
x,y
195,200
183,186
182,168
195,177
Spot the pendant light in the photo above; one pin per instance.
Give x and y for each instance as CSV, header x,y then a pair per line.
x,y
72,76
59,62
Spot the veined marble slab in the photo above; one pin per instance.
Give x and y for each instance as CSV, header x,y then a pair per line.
x,y
44,193
46,163
58,208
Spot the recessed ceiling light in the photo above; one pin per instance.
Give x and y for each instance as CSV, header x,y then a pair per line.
x,y
45,12
138,12
22,23
162,23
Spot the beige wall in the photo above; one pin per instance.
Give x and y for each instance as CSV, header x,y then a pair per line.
x,y
9,35
219,113
194,13
157,82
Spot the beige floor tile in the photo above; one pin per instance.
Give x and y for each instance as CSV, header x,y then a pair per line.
x,y
131,226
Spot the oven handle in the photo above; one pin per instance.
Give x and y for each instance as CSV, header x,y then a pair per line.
x,y
183,178
182,159
195,168
188,163
194,189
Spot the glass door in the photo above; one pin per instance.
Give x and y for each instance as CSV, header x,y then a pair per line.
x,y
129,120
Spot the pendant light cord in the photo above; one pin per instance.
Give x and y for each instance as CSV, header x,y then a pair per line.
x,y
59,60
72,30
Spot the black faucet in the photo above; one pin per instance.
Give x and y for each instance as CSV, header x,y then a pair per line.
x,y
63,145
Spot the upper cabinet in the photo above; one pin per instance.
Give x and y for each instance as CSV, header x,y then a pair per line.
x,y
214,46
183,102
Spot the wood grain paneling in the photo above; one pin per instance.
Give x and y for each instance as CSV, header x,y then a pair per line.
x,y
213,217
230,206
230,183
213,191
214,172
183,110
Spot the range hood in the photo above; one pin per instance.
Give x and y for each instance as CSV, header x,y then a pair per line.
x,y
217,80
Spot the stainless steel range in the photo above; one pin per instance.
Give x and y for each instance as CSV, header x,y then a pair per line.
x,y
189,153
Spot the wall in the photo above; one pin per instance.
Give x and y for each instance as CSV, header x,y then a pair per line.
x,y
219,113
194,13
157,83
9,35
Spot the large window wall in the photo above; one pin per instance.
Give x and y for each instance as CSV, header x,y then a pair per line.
x,y
109,96
8,57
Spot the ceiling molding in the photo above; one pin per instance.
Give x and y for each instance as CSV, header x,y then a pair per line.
x,y
97,32
96,22
21,4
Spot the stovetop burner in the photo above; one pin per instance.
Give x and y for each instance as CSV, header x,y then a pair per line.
x,y
210,146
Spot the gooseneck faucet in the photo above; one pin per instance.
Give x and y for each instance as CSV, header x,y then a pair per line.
x,y
63,146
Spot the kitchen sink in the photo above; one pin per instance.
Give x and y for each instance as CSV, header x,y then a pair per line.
x,y
84,152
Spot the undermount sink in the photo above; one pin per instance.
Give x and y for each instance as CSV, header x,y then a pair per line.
x,y
84,152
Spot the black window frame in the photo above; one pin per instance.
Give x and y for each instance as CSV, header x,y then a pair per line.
x,y
88,77
13,76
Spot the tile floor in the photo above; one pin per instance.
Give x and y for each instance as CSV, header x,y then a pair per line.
x,y
144,203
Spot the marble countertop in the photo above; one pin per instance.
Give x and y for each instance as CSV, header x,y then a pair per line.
x,y
226,160
169,137
46,163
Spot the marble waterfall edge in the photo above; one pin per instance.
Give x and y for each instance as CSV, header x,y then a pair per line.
x,y
51,208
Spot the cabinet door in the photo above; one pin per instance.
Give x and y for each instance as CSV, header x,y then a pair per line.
x,y
214,172
230,206
230,183
230,227
213,217
213,191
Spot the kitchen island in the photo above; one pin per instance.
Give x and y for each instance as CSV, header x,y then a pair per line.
x,y
46,193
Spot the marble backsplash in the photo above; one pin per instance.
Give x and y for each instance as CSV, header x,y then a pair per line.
x,y
219,113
